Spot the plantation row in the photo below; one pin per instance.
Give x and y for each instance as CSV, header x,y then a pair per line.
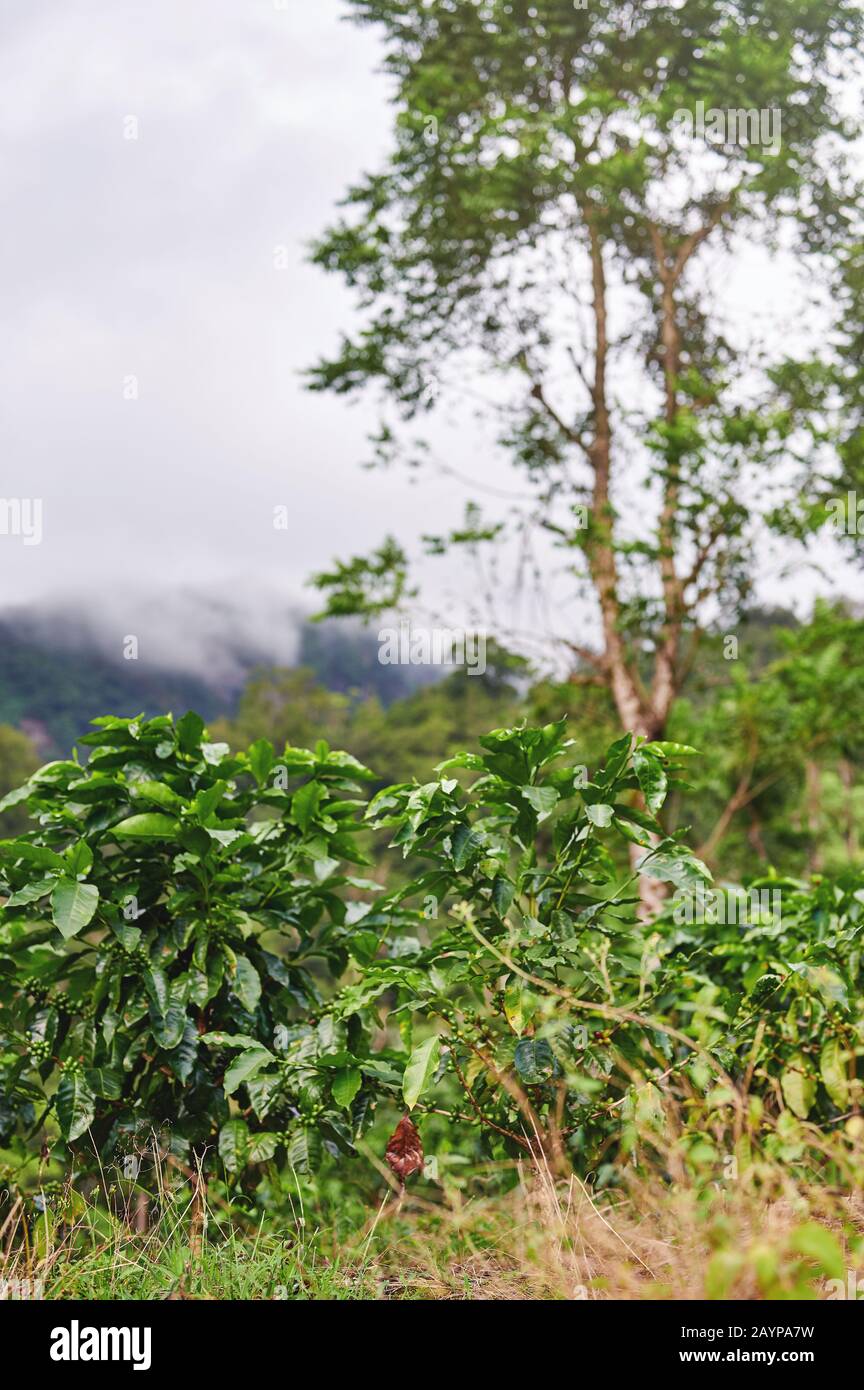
x,y
189,943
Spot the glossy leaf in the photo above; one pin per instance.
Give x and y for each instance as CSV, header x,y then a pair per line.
x,y
420,1070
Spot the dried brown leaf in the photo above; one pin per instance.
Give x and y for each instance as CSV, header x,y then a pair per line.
x,y
404,1150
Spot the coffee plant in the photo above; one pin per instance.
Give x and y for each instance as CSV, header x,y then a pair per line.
x,y
554,1018
771,976
184,954
172,899
522,968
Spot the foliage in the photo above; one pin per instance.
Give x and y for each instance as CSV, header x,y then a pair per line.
x,y
286,706
395,739
769,979
17,760
182,953
780,785
172,898
541,188
540,951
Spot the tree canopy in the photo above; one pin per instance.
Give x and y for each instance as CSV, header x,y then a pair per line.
x,y
543,221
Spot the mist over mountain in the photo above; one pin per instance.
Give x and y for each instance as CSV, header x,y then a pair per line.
x,y
215,637
63,662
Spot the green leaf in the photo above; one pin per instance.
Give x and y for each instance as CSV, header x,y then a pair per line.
x,y
158,793
189,730
304,1150
105,1082
130,937
332,1036
156,985
615,761
640,818
534,1061
821,1246
206,801
219,1039
168,1030
13,850
542,799
676,865
262,1146
503,892
421,1068
305,803
346,1084
234,1144
215,753
833,1071
31,892
247,984
600,814
829,984
167,1008
469,760
76,1106
799,1088
73,905
520,1006
670,750
636,837
466,843
261,759
245,1065
79,859
14,798
651,776
182,1057
150,825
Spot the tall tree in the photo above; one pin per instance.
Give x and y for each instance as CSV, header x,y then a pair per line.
x,y
542,218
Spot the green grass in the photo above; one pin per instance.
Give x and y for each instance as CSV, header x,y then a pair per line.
x,y
788,1224
99,1258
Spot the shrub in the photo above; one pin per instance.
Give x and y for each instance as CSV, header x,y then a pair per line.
x,y
771,979
171,898
523,964
182,950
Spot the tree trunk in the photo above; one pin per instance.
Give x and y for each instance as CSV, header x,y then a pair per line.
x,y
813,783
754,838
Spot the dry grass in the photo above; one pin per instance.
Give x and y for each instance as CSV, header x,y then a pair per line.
x,y
669,1231
766,1234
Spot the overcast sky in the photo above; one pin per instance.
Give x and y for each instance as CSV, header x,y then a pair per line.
x,y
153,258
